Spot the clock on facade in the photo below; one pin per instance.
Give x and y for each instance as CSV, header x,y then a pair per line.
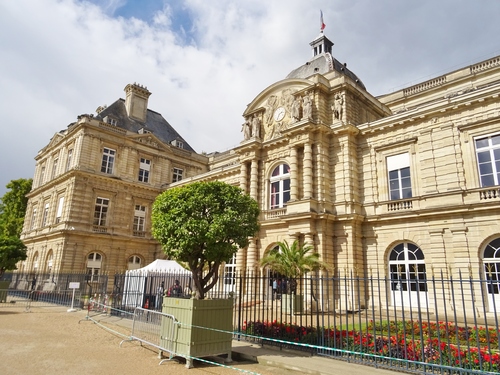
x,y
279,114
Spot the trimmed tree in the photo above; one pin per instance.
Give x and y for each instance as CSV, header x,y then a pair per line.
x,y
203,224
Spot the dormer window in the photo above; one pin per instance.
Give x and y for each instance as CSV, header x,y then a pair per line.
x,y
110,120
177,143
143,131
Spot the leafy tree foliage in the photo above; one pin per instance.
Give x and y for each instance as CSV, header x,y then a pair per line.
x,y
13,207
203,225
12,250
292,261
12,211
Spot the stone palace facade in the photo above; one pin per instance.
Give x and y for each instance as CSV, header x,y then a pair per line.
x,y
405,185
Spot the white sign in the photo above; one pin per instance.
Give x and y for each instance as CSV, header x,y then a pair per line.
x,y
75,285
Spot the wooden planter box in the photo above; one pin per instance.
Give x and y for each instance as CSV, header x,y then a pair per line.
x,y
190,340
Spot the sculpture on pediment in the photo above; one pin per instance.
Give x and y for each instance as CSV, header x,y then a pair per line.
x,y
296,108
271,105
246,129
306,106
256,126
287,99
338,107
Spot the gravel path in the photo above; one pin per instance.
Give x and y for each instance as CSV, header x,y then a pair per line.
x,y
54,341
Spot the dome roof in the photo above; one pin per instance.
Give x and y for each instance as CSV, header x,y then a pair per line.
x,y
322,64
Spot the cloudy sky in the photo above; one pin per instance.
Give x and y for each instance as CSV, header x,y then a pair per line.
x,y
204,61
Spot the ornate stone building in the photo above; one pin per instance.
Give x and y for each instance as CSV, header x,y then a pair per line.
x,y
404,185
94,185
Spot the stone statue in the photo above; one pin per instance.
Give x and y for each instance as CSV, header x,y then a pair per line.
x,y
256,126
247,130
296,109
338,107
306,107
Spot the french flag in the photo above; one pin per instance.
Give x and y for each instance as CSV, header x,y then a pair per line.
x,y
322,24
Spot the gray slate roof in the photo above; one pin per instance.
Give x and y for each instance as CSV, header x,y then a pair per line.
x,y
322,64
155,123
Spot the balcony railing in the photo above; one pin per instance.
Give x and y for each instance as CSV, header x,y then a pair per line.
x,y
272,214
400,205
491,193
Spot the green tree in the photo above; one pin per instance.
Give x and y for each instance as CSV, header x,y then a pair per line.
x,y
292,261
12,250
13,207
203,225
12,211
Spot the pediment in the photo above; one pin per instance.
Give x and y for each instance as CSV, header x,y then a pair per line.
x,y
148,139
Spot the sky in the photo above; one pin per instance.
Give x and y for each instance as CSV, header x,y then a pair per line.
x,y
205,61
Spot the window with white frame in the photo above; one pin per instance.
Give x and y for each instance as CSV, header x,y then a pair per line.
x,y
33,218
280,186
230,271
177,174
50,261
108,160
100,211
94,265
488,160
69,159
491,261
35,262
60,206
45,214
134,262
139,219
398,168
144,169
54,167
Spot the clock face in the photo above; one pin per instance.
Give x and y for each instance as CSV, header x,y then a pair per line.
x,y
279,114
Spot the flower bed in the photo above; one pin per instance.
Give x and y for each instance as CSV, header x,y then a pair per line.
x,y
440,344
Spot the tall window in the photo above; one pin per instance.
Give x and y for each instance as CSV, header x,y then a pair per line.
x,y
101,211
33,219
230,271
50,261
491,261
139,220
35,262
280,186
42,175
60,206
144,168
398,167
108,159
134,262
54,167
45,214
177,174
69,159
488,160
94,264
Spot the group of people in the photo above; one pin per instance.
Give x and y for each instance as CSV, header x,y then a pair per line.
x,y
174,291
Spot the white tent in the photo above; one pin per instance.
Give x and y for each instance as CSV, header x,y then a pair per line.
x,y
142,284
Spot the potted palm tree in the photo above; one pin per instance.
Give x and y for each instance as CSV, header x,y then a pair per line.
x,y
202,225
292,262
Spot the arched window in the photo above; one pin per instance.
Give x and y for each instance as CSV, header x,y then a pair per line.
x,y
134,262
94,264
408,276
50,262
491,262
280,186
35,262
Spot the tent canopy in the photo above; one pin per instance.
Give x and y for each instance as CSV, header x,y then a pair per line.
x,y
161,265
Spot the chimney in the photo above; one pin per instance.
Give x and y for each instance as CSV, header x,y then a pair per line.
x,y
136,101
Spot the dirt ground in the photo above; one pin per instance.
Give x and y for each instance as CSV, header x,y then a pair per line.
x,y
51,340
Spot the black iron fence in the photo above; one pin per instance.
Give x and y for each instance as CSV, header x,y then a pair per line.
x,y
422,325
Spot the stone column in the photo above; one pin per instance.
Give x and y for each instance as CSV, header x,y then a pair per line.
x,y
294,174
243,177
254,179
307,170
252,255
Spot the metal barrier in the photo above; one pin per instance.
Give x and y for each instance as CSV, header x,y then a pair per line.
x,y
30,299
147,328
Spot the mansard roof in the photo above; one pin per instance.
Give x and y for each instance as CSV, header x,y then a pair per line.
x,y
322,64
155,123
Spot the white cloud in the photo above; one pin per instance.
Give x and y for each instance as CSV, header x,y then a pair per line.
x,y
61,58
